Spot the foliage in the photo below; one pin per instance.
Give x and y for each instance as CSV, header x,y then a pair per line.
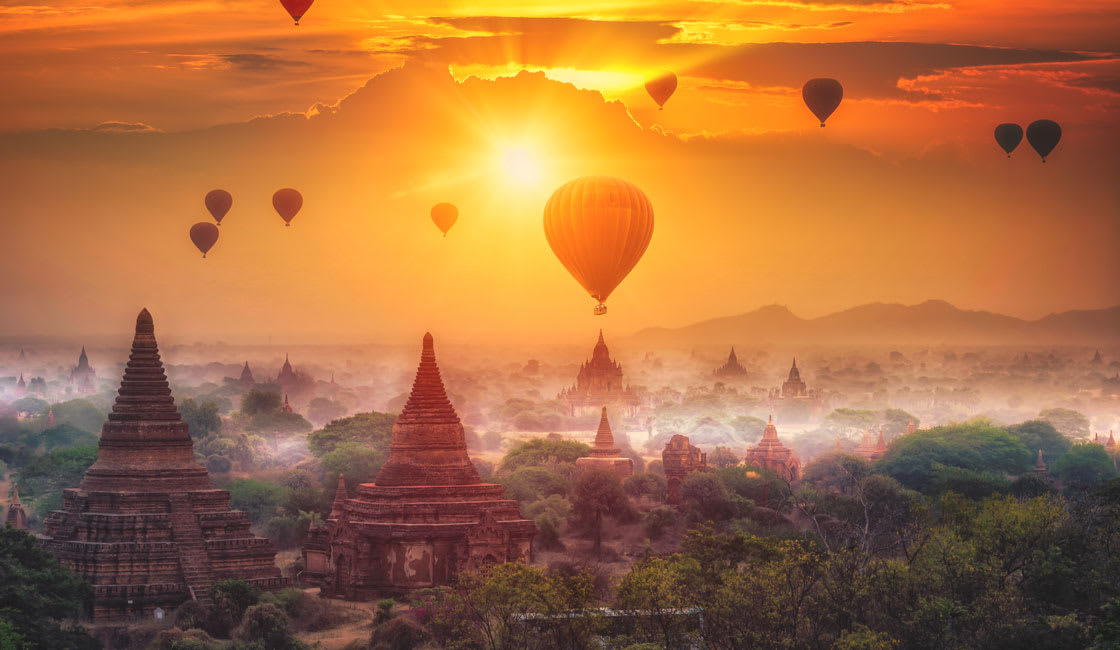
x,y
257,498
216,464
549,514
258,402
278,422
705,498
846,421
202,419
1067,421
896,421
66,435
50,473
369,429
597,495
30,404
533,483
722,457
357,462
1041,434
398,634
1084,465
543,451
35,592
322,410
646,484
836,472
659,520
977,446
79,413
268,625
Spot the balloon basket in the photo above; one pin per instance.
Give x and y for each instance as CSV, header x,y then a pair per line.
x,y
600,309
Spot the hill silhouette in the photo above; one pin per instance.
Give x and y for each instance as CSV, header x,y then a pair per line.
x,y
930,322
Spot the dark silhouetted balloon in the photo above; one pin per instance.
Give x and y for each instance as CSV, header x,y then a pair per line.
x,y
661,87
218,202
287,203
822,96
598,227
296,8
1009,136
445,215
204,235
1044,136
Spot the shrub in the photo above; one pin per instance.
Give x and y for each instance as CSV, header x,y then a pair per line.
x,y
399,633
218,464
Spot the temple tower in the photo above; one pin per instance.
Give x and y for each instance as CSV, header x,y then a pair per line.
x,y
146,528
771,454
680,458
600,383
17,516
732,368
605,455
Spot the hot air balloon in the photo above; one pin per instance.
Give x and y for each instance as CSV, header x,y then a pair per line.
x,y
218,202
1044,136
296,8
822,96
1009,136
598,227
661,87
204,235
445,215
287,203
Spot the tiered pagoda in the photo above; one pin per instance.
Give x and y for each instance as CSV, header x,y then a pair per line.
x,y
1039,466
732,368
680,458
869,449
605,455
771,454
83,375
247,376
146,528
287,376
599,383
796,402
17,516
427,517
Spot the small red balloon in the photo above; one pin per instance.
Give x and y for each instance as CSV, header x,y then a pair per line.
x,y
296,8
287,203
218,202
204,235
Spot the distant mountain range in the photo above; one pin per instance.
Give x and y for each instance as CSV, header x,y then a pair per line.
x,y
929,323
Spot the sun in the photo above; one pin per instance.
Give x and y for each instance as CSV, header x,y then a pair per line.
x,y
520,165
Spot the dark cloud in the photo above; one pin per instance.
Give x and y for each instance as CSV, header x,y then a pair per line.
x,y
1107,83
259,62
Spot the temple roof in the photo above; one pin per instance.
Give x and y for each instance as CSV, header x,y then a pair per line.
x,y
246,374
338,506
794,373
604,439
429,445
144,394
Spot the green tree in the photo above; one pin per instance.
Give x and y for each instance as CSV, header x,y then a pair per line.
x,y
322,410
656,592
836,472
846,421
1041,434
705,497
1067,421
268,625
977,446
35,593
1084,464
79,413
357,462
202,419
543,451
66,435
646,484
257,498
597,495
532,483
45,477
722,457
896,421
371,429
257,402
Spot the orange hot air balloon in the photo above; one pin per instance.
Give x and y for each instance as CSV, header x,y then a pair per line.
x,y
822,96
445,215
598,227
661,87
204,235
287,203
296,8
218,202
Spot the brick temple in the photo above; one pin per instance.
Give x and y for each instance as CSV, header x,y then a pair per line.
x,y
146,528
426,518
732,368
599,383
771,454
604,454
679,459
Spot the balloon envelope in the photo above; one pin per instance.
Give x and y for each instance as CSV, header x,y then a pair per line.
x,y
296,8
1044,136
218,202
598,227
822,96
661,87
445,215
204,235
1009,136
287,203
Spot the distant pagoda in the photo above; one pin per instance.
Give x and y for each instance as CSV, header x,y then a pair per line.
x,y
605,455
146,528
796,402
247,375
426,518
83,376
869,449
287,377
679,459
598,384
771,454
732,368
17,516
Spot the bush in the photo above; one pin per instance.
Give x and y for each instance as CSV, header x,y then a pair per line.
x,y
286,532
399,633
218,464
258,498
269,625
646,485
659,520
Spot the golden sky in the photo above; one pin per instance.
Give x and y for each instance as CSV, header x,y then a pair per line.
x,y
120,115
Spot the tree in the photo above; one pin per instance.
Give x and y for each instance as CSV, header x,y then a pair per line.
x,y
1084,464
202,419
257,402
846,421
32,405
646,484
1041,434
46,476
659,520
35,592
216,464
655,592
704,497
896,421
257,498
542,451
598,494
322,410
371,429
79,413
357,462
532,483
66,435
269,625
722,457
977,446
836,472
1067,421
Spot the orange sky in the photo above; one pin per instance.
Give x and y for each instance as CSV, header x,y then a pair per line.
x,y
122,115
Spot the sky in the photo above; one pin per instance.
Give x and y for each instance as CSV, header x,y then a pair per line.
x,y
119,116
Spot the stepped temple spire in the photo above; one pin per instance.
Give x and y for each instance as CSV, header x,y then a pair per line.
x,y
732,368
426,519
771,454
247,375
680,458
429,446
145,527
17,516
604,454
1039,466
600,383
